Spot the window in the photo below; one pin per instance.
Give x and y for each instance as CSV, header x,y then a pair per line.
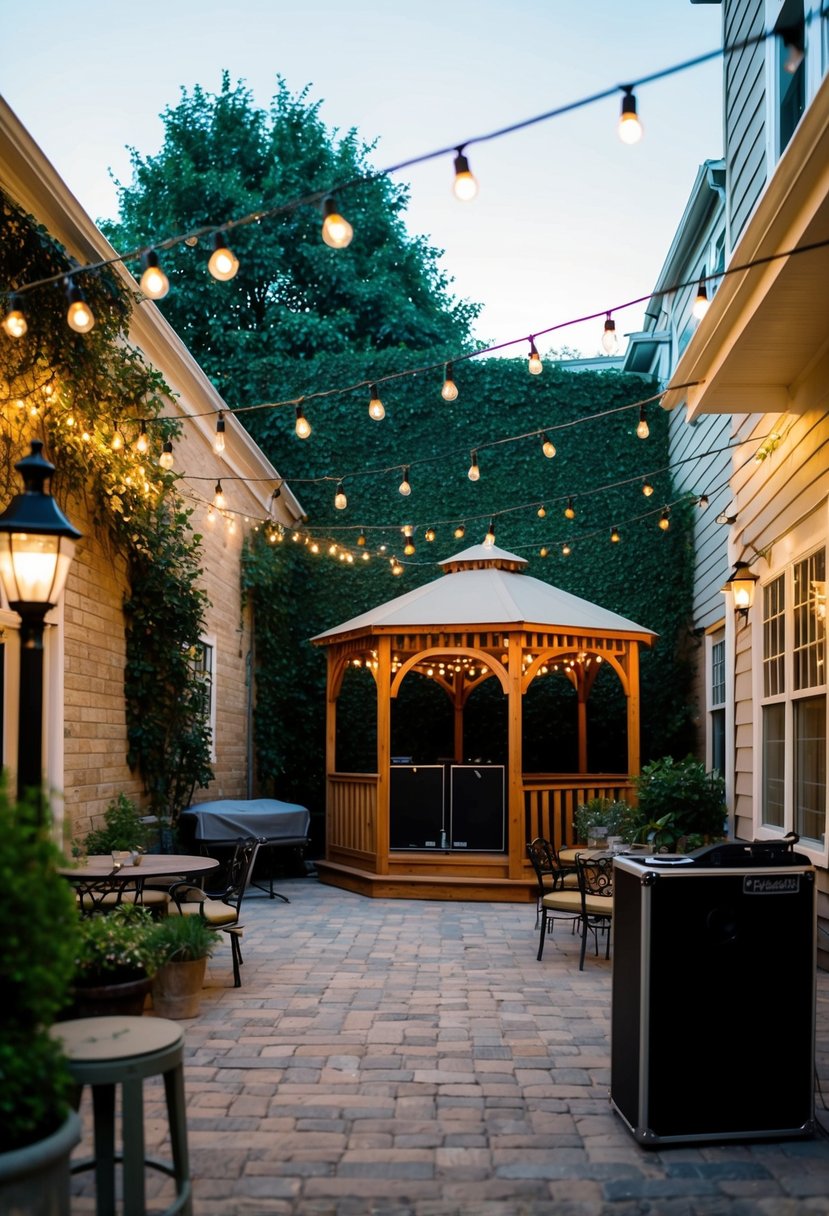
x,y
793,744
716,703
791,70
202,658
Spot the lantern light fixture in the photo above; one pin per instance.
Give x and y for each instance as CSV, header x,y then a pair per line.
x,y
741,584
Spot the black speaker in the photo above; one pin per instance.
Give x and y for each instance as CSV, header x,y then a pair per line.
x,y
713,1002
476,820
416,806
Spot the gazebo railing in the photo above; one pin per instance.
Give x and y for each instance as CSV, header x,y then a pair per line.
x,y
550,800
352,814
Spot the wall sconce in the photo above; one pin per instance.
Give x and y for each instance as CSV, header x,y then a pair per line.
x,y
741,585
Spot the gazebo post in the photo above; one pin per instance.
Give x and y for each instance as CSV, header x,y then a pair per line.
x,y
330,738
515,762
383,674
633,708
458,707
582,695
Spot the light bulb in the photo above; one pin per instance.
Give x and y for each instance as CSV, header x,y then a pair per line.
x,y
409,547
218,497
489,539
376,409
405,487
14,322
610,340
465,185
630,128
642,428
665,519
647,488
361,540
79,316
302,425
702,501
566,550
154,282
569,510
548,447
535,365
614,535
449,392
142,443
474,472
340,500
701,302
117,441
166,457
336,232
223,263
396,568
541,512
430,534
542,552
219,438
460,532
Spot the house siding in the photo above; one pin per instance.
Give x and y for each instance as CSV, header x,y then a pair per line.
x,y
745,134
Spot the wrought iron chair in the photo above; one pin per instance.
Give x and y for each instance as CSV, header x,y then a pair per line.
x,y
595,875
551,874
94,895
221,908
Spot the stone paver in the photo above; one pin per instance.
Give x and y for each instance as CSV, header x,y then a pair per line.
x,y
412,1058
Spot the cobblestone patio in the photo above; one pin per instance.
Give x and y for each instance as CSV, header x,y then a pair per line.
x,y
404,1057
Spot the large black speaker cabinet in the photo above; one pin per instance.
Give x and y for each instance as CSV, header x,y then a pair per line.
x,y
476,818
713,1008
416,806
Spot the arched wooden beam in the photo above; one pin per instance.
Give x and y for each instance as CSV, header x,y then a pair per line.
x,y
549,656
482,656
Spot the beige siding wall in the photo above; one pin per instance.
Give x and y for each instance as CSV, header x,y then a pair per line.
x,y
745,137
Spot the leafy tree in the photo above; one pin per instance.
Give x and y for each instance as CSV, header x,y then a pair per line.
x,y
293,297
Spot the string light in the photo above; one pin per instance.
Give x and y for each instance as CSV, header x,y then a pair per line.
x,y
449,392
142,443
336,232
647,488
569,510
361,540
701,302
223,263
166,457
566,550
548,447
219,439
541,512
405,486
430,534
340,500
474,472
614,535
460,532
702,501
534,365
154,282
409,546
489,539
543,551
218,497
630,128
302,426
665,519
376,409
610,340
465,185
396,568
79,316
14,322
117,441
642,428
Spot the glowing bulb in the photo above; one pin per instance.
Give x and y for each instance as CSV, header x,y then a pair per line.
x,y
154,282
614,535
336,232
218,497
566,550
449,392
460,532
610,340
430,534
630,128
376,409
548,447
665,519
541,512
340,500
79,315
302,425
535,365
701,303
489,539
642,428
474,472
396,568
142,443
166,457
223,263
219,439
409,547
569,510
14,322
702,501
405,486
465,185
647,488
117,441
361,540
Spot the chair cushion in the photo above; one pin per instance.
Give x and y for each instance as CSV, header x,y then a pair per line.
x,y
214,911
149,899
563,901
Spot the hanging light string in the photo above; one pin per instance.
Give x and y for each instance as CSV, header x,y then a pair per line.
x,y
320,198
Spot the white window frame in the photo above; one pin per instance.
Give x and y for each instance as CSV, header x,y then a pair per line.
x,y
208,642
715,638
794,548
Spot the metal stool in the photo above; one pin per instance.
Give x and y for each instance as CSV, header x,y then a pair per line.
x,y
109,1051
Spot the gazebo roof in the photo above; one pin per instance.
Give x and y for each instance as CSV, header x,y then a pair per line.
x,y
487,586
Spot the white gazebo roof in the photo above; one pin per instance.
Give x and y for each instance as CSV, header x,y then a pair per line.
x,y
487,586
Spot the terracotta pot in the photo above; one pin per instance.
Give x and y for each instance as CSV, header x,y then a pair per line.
x,y
104,1000
177,989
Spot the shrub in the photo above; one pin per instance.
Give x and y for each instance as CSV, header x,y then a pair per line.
x,y
182,939
681,795
616,815
122,828
117,946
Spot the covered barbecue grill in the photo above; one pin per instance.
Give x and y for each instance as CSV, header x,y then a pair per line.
x,y
280,825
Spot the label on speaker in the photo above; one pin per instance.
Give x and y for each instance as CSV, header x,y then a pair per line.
x,y
771,884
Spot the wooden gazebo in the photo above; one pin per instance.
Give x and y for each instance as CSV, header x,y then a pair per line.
x,y
484,618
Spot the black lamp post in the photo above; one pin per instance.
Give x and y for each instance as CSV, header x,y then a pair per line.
x,y
36,546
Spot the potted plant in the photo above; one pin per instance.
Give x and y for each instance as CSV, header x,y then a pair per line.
x,y
115,962
681,804
599,818
38,946
184,945
123,830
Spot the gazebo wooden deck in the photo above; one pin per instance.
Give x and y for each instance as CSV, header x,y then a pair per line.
x,y
487,620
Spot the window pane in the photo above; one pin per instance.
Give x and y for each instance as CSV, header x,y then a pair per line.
x,y
810,767
774,749
718,741
774,638
809,612
718,673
